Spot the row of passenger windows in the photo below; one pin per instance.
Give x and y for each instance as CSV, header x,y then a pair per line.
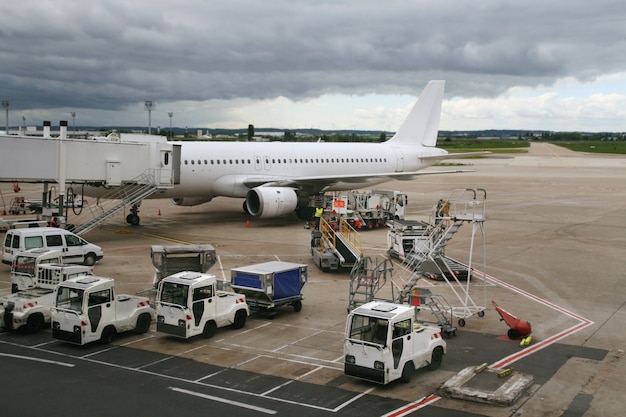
x,y
283,161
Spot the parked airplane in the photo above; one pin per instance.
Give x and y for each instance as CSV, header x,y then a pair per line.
x,y
276,178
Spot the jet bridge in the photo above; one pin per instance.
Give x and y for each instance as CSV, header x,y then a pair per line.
x,y
146,163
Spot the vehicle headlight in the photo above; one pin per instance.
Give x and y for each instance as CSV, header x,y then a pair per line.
x,y
181,323
379,365
160,319
350,359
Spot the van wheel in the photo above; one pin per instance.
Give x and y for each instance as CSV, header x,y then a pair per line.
x,y
437,357
90,259
240,319
209,329
108,335
406,372
143,323
35,323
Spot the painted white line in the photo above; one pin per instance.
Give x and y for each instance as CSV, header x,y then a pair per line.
x,y
223,400
30,358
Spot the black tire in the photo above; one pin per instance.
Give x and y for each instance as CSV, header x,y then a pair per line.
x,y
407,371
437,357
481,313
108,335
461,322
35,323
90,259
297,306
240,319
209,329
134,220
143,323
514,334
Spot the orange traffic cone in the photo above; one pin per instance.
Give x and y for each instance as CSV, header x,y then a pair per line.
x,y
248,223
159,212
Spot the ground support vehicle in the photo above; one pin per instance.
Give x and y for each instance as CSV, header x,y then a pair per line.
x,y
366,209
407,237
335,247
271,284
31,307
86,309
192,303
75,249
169,260
25,267
384,342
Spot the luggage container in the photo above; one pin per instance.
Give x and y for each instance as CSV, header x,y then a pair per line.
x,y
271,284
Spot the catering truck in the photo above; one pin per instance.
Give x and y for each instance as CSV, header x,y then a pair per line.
x,y
86,309
384,342
192,303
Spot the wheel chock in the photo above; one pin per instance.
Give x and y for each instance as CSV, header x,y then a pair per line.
x,y
505,372
480,368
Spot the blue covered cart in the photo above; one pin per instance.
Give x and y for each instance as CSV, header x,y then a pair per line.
x,y
271,284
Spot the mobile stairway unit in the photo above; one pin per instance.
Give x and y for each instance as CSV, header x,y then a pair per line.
x,y
462,207
367,277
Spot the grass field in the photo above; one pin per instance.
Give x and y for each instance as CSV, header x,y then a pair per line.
x,y
505,146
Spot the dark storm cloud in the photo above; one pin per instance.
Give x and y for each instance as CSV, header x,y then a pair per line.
x,y
108,54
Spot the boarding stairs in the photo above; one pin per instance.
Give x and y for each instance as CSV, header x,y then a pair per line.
x,y
367,277
438,307
130,194
464,206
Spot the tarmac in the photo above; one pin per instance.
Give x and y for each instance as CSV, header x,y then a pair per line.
x,y
552,251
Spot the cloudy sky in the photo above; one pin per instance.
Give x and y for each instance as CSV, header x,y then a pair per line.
x,y
329,64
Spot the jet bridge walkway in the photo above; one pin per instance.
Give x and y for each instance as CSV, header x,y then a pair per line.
x,y
130,167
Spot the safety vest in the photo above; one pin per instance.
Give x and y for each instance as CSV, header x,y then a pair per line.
x,y
319,212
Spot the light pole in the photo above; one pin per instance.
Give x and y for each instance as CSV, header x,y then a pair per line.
x,y
149,106
24,124
170,114
5,106
73,121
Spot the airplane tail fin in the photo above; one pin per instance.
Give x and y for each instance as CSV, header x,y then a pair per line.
x,y
422,124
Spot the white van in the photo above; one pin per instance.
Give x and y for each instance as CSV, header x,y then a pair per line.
x,y
75,249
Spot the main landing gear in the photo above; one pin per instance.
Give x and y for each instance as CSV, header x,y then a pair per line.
x,y
133,218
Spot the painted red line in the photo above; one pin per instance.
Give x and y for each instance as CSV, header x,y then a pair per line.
x,y
583,322
413,406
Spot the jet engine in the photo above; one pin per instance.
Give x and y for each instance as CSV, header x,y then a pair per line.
x,y
271,201
194,201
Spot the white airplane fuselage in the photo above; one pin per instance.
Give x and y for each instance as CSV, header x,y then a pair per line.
x,y
223,168
277,178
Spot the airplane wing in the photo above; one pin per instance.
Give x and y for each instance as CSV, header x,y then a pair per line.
x,y
320,181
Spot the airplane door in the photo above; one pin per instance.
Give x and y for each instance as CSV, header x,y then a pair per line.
x,y
399,159
165,173
258,165
267,164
